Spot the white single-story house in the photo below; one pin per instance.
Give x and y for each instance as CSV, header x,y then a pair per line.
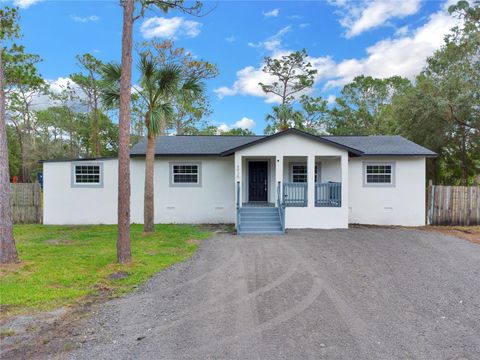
x,y
263,184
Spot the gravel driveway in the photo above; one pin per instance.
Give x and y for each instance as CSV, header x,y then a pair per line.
x,y
334,294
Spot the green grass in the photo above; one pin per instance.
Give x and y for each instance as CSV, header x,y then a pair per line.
x,y
62,265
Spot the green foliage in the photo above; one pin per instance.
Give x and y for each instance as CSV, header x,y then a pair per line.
x,y
438,110
14,159
238,132
64,264
188,7
292,73
9,28
89,81
207,130
159,87
188,111
314,114
360,108
282,118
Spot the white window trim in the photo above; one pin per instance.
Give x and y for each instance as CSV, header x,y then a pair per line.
x,y
182,163
317,164
376,163
74,183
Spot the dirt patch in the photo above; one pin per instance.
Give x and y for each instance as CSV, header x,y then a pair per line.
x,y
59,242
469,233
50,334
193,241
11,268
118,275
219,228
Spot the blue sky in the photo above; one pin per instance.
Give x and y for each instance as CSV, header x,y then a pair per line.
x,y
343,39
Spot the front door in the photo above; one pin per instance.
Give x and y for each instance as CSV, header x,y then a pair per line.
x,y
257,180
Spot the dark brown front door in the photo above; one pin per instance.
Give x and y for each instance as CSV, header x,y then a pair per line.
x,y
257,180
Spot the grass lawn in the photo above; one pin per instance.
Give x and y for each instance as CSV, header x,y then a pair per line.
x,y
62,265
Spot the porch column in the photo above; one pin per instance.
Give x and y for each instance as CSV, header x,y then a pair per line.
x,y
278,175
238,177
344,166
311,181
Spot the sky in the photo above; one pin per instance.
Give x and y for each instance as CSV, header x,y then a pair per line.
x,y
343,39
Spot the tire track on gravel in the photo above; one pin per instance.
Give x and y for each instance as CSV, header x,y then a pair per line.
x,y
313,294
366,341
206,308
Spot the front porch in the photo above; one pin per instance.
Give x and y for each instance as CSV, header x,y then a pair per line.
x,y
298,191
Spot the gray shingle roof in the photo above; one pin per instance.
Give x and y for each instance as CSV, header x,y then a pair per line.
x,y
216,145
193,145
382,145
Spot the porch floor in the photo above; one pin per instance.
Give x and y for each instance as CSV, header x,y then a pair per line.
x,y
258,204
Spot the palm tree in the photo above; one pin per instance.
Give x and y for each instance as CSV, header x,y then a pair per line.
x,y
283,117
159,86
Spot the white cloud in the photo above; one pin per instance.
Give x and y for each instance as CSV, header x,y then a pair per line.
x,y
230,39
331,99
249,77
404,56
363,15
24,4
271,13
84,19
303,25
169,27
41,102
274,42
223,128
245,123
403,31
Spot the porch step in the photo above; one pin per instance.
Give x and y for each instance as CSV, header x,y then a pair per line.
x,y
259,220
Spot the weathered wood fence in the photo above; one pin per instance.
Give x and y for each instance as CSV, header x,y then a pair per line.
x,y
26,203
453,205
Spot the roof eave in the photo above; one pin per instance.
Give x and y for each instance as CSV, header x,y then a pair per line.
x,y
407,155
351,151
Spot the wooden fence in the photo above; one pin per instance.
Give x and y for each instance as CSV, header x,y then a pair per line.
x,y
453,205
26,203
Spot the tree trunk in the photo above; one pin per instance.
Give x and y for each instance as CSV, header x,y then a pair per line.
x,y
463,157
148,203
179,127
8,251
96,130
123,240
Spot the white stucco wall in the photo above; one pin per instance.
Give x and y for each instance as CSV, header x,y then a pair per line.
x,y
212,202
67,205
401,204
293,147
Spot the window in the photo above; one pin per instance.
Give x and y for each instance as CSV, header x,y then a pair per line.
x,y
86,174
299,173
378,174
184,174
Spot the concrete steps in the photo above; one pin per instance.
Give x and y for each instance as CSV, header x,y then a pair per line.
x,y
261,220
